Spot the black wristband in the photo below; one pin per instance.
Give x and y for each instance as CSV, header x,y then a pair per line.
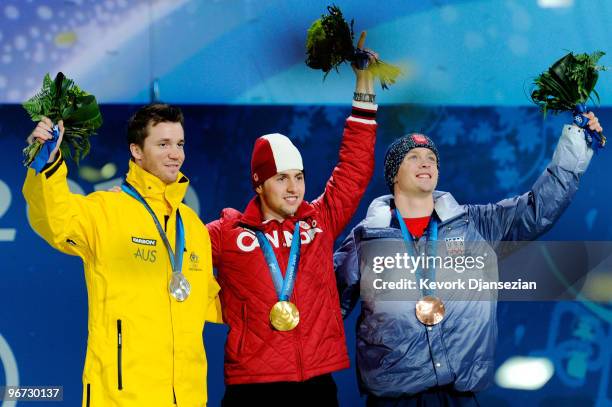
x,y
364,97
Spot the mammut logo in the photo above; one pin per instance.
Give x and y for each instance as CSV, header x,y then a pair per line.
x,y
146,242
247,241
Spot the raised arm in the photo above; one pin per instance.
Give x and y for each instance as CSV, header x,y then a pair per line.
x,y
528,216
65,220
354,170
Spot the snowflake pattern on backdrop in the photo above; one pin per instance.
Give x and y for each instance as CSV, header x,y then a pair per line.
x,y
481,133
450,130
504,153
301,122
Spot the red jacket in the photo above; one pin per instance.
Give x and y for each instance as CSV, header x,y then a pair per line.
x,y
255,352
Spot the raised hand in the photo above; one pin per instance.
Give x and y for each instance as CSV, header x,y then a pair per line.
x,y
44,132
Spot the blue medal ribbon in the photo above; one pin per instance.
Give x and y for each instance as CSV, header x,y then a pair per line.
x,y
40,160
176,257
283,287
595,140
362,58
432,237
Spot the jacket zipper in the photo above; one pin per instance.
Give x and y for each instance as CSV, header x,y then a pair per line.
x,y
298,341
166,218
298,345
298,353
88,394
119,352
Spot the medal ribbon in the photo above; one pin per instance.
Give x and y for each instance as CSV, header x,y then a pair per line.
x,y
432,237
176,258
595,140
283,287
43,155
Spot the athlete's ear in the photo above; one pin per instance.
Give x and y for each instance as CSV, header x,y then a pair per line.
x,y
136,151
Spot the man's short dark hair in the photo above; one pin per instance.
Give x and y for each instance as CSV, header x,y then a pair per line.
x,y
151,114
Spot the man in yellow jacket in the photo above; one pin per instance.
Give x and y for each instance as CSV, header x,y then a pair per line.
x,y
146,309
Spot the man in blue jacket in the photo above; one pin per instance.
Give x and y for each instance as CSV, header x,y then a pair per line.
x,y
424,351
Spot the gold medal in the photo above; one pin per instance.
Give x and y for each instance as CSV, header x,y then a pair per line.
x,y
284,316
430,310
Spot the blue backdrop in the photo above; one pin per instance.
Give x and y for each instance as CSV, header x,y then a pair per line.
x,y
487,153
252,52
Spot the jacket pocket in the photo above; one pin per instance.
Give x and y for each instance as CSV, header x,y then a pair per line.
x,y
333,308
119,355
88,395
243,331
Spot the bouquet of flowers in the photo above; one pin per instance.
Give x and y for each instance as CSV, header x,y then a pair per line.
x,y
62,99
567,85
329,43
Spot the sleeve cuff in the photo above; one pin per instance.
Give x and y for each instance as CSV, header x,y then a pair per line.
x,y
572,152
363,112
50,168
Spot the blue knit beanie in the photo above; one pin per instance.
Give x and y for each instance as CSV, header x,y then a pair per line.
x,y
398,150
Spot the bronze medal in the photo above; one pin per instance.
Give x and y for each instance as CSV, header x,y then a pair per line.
x,y
284,316
430,310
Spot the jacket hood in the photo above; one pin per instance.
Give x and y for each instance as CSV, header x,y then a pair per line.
x,y
379,211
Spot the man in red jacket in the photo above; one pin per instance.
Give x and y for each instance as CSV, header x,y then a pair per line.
x,y
279,293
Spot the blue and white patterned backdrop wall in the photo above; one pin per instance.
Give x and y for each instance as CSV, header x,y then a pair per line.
x,y
466,52
237,68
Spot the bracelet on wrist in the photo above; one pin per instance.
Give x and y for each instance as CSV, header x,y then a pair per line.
x,y
364,97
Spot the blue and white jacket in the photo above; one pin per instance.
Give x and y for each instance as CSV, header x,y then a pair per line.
x,y
396,354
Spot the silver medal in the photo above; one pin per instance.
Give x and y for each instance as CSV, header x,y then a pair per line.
x,y
179,286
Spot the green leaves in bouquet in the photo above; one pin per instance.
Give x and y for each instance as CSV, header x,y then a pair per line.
x,y
62,99
568,82
329,41
82,119
42,103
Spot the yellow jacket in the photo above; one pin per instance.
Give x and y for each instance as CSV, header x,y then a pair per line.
x,y
144,347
